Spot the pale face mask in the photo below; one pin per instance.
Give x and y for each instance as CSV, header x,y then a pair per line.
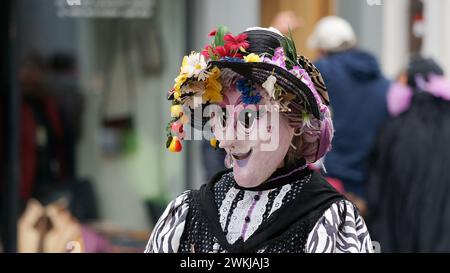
x,y
255,158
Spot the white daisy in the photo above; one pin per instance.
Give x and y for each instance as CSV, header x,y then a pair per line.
x,y
194,65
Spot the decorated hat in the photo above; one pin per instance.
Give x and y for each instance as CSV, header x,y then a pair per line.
x,y
261,56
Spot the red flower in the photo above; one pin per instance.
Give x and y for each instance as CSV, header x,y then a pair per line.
x,y
236,42
222,51
238,55
213,32
206,50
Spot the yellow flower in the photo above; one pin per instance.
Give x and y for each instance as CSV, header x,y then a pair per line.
x,y
213,87
176,110
177,95
184,62
252,58
214,143
213,97
179,81
214,73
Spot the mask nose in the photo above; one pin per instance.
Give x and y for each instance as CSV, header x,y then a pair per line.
x,y
228,137
226,144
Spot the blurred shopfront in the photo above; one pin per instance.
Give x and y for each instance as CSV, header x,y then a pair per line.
x,y
84,132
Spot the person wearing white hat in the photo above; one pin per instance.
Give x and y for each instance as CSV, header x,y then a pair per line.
x,y
358,90
332,34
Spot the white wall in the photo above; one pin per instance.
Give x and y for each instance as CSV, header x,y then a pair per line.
x,y
436,41
395,39
437,34
366,20
237,15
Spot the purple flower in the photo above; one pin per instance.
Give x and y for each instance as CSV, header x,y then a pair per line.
x,y
278,59
301,74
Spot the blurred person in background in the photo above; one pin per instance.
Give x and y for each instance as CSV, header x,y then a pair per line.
x,y
358,91
63,83
286,21
41,130
409,182
48,124
54,222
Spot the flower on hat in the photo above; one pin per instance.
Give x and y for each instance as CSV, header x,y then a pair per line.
x,y
179,81
213,88
207,51
306,121
222,51
252,58
225,45
176,110
213,32
236,42
269,85
214,143
249,94
194,65
278,58
303,75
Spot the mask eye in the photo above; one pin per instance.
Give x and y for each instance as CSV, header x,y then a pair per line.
x,y
260,113
247,117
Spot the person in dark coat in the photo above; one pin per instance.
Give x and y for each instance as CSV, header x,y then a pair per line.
x,y
409,178
358,91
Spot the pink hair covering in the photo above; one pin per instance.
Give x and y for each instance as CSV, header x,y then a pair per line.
x,y
398,99
436,85
399,96
326,124
326,136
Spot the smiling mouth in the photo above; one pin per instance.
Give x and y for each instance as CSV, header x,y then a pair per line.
x,y
243,156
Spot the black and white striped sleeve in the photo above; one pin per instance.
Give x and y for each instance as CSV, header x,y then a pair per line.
x,y
340,230
167,232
